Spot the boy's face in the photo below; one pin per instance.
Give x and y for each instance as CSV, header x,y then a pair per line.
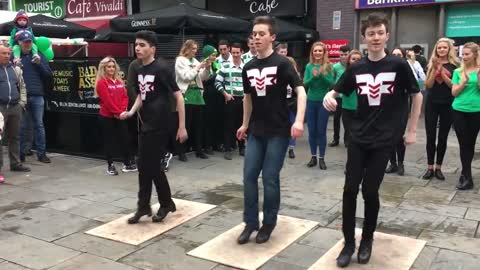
x,y
263,38
343,57
22,22
224,51
236,53
143,49
375,37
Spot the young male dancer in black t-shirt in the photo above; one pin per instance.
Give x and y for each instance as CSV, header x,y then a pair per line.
x,y
383,84
266,117
156,87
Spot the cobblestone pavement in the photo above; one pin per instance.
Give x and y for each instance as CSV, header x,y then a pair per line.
x,y
44,214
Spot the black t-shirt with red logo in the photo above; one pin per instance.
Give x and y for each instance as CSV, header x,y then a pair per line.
x,y
157,84
383,88
266,80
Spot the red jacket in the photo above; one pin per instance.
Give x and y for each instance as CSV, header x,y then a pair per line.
x,y
113,97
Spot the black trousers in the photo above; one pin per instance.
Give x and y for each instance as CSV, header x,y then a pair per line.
x,y
152,148
467,126
116,136
365,166
347,116
336,121
432,113
173,146
399,148
214,118
194,123
233,113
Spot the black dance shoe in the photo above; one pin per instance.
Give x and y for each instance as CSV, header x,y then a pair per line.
x,y
392,168
140,213
245,235
312,162
428,174
343,260
439,175
163,212
264,233
365,251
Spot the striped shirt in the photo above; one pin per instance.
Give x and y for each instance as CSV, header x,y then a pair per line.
x,y
246,57
229,79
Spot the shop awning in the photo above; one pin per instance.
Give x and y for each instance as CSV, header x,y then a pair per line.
x,y
112,36
178,19
50,27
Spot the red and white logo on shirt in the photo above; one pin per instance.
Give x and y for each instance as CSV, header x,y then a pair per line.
x,y
261,79
375,87
145,83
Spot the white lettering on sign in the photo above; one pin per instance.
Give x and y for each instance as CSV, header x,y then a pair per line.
x,y
92,8
258,6
79,7
38,7
144,23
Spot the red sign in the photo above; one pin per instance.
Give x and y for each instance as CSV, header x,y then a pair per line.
x,y
83,10
333,46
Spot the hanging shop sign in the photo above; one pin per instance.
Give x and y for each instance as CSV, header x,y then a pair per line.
x,y
54,7
463,21
252,8
367,4
73,88
333,46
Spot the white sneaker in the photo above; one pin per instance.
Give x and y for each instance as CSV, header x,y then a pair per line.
x,y
129,168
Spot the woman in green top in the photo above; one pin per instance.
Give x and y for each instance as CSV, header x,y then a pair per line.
x,y
349,103
318,80
466,109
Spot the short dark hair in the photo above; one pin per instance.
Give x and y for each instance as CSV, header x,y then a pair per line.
x,y
344,49
417,49
236,45
149,36
224,42
373,20
272,26
281,45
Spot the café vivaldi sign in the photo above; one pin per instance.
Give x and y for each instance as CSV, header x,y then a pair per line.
x,y
366,4
251,8
84,9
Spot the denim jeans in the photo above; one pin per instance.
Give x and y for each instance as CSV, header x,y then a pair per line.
x,y
292,115
35,107
317,120
264,155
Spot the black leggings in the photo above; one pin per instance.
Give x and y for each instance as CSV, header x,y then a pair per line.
x,y
366,167
467,126
399,148
152,149
432,113
336,121
233,120
116,135
194,123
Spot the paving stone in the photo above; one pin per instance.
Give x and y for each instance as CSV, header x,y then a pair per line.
x,y
432,208
11,266
224,218
451,242
275,265
127,203
90,262
425,258
473,214
406,222
309,202
323,218
105,218
465,199
322,238
233,204
167,254
223,267
430,195
65,204
199,234
452,260
457,226
394,189
300,255
32,196
96,246
33,253
44,223
93,210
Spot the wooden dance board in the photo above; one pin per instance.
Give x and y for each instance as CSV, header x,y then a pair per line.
x,y
135,234
389,252
224,248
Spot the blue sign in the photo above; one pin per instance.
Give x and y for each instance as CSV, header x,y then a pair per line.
x,y
366,4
